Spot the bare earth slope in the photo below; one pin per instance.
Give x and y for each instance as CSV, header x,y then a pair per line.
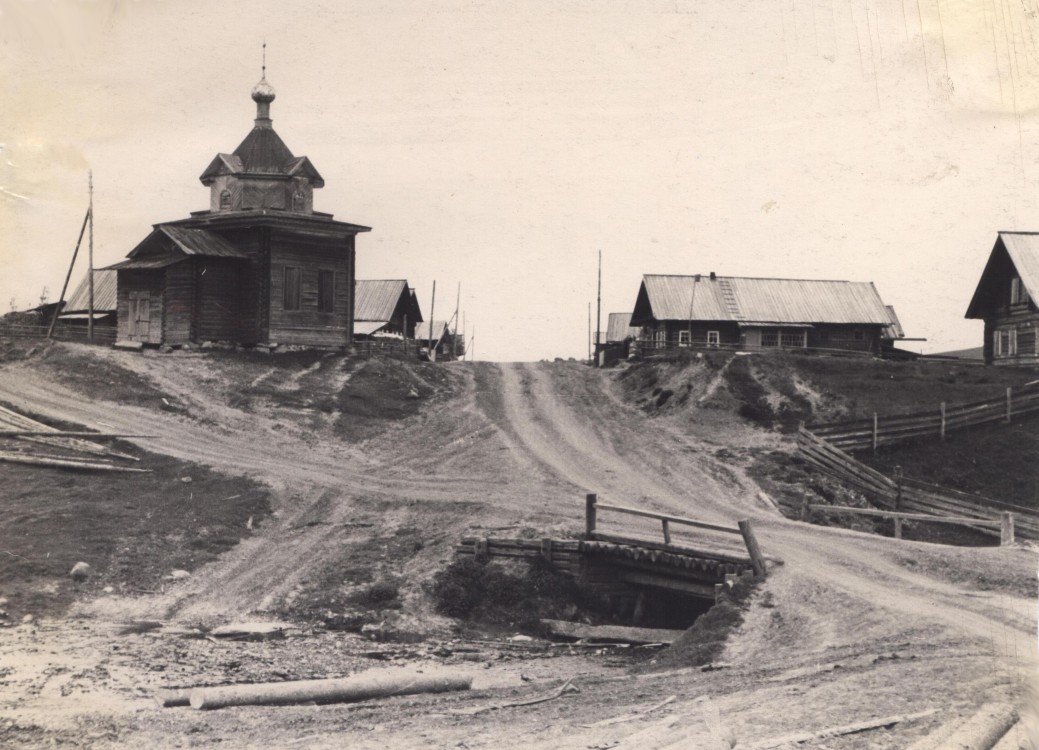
x,y
846,629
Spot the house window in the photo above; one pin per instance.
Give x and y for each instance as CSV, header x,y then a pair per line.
x,y
684,337
770,339
326,291
792,340
660,338
225,199
713,338
292,288
1018,293
1004,343
298,200
1026,343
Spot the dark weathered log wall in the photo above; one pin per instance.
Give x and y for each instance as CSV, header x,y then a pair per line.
x,y
311,254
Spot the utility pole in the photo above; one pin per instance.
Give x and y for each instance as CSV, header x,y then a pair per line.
x,y
454,338
692,299
90,261
598,310
432,302
65,286
590,360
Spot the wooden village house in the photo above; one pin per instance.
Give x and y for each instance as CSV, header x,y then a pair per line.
x,y
753,313
1005,300
385,307
259,266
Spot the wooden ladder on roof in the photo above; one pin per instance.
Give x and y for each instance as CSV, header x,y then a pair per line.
x,y
732,306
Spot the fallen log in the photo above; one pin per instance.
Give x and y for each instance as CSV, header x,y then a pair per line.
x,y
610,633
822,734
38,433
174,697
980,732
63,463
345,690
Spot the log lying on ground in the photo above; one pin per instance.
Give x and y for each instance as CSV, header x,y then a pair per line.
x,y
980,732
63,463
611,633
822,734
173,697
346,690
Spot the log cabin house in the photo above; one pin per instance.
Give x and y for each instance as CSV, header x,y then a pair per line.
x,y
260,266
1005,300
385,307
752,314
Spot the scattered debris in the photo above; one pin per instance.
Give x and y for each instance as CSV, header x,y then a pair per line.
x,y
630,717
251,631
566,687
178,574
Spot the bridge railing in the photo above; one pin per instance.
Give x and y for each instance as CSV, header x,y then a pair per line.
x,y
744,528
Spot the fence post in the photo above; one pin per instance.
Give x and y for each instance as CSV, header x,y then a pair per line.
x,y
875,432
941,432
805,511
1008,404
1006,529
546,550
589,515
898,490
757,560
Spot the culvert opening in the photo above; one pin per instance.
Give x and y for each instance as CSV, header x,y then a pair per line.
x,y
518,595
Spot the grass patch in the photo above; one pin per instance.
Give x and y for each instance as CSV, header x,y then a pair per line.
x,y
517,595
133,530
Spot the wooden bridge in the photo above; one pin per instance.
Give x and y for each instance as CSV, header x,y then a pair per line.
x,y
624,566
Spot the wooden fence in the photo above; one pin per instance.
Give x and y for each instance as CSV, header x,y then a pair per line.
x,y
102,334
913,495
744,529
650,348
937,422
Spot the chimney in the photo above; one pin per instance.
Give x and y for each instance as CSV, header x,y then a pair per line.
x,y
714,276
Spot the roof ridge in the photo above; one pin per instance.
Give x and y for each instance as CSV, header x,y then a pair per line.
x,y
753,278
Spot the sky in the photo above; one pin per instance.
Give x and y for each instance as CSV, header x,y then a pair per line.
x,y
502,146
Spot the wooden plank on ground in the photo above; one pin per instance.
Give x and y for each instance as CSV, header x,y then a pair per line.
x,y
610,633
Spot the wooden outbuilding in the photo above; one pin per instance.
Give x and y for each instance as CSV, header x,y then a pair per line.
x,y
446,343
744,313
1005,300
260,266
385,307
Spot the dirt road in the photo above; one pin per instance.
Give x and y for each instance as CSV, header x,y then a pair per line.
x,y
518,447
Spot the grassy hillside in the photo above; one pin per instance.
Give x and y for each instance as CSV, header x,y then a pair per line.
x,y
995,460
775,389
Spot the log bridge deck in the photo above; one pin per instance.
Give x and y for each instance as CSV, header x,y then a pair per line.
x,y
612,564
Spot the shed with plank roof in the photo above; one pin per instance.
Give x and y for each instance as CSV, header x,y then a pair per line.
x,y
385,307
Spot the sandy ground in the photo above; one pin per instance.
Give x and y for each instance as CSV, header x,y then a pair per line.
x,y
844,630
